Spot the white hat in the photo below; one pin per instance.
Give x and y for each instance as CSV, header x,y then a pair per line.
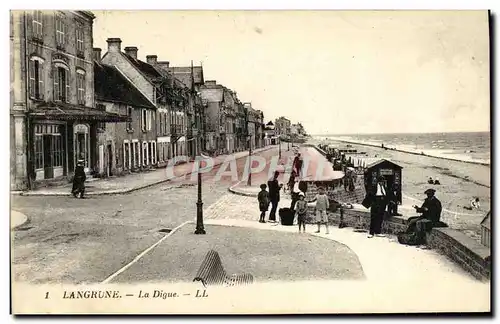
x,y
301,194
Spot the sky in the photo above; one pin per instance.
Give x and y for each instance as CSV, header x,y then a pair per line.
x,y
336,72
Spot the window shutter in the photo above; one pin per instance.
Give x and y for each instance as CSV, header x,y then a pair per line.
x,y
41,88
55,76
67,86
31,67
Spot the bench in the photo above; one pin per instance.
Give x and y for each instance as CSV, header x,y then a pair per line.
x,y
211,272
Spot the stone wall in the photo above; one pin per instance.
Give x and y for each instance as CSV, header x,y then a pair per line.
x,y
468,253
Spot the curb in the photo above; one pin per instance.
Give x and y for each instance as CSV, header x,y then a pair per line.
x,y
26,221
118,191
240,193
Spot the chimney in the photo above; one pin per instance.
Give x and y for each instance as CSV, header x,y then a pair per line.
x,y
165,64
114,45
131,51
151,59
97,54
210,82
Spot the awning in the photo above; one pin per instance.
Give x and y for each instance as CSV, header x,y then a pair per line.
x,y
69,112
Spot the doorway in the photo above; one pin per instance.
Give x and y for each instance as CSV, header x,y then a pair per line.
x,y
110,160
48,168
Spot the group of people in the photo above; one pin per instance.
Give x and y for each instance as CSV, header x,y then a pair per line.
x,y
380,203
298,205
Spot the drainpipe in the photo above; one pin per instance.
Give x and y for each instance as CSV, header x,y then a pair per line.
x,y
29,162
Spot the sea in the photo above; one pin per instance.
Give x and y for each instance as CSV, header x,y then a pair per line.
x,y
463,146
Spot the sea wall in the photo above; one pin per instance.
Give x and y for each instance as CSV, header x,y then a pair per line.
x,y
456,246
411,152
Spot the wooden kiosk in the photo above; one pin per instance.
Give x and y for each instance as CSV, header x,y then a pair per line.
x,y
390,171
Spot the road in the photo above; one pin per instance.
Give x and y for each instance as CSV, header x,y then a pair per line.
x,y
72,240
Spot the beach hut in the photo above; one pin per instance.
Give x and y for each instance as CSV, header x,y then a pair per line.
x,y
486,230
392,173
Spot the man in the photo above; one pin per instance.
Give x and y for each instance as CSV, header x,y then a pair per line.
x,y
378,207
431,213
297,164
393,203
274,195
79,180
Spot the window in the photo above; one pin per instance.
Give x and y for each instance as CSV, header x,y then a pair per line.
x,y
144,119
126,155
129,115
144,153
38,151
37,25
161,123
80,34
101,126
36,88
80,87
60,32
61,84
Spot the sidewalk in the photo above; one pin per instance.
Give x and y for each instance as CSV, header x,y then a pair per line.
x,y
17,219
132,182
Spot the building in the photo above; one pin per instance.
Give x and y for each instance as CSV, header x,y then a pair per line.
x,y
53,116
259,129
241,126
229,105
270,137
254,126
283,126
191,77
212,95
119,145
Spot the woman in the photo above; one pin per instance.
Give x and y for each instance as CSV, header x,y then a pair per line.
x,y
79,180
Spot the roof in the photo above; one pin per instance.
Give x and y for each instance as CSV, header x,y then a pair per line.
x,y
380,161
183,73
212,94
111,85
144,67
69,112
270,123
486,222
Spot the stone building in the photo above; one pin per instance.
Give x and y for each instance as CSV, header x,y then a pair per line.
x,y
283,126
192,78
259,129
53,117
119,149
254,122
215,118
241,127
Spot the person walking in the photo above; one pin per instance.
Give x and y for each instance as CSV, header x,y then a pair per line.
x,y
378,207
274,195
263,198
79,180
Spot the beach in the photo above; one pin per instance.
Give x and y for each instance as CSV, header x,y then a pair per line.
x,y
460,181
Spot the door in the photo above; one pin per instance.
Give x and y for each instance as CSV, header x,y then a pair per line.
x,y
47,157
110,160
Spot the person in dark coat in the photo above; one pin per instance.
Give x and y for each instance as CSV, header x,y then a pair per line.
x,y
392,207
297,165
378,206
263,198
79,180
274,195
430,209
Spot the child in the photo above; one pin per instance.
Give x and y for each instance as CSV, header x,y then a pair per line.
x,y
322,205
301,207
263,198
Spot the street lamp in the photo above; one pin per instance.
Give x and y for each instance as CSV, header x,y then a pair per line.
x,y
249,181
199,207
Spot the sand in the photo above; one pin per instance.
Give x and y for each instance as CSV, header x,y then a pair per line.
x,y
460,182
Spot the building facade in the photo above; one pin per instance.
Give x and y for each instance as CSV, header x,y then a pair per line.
x,y
121,146
283,126
53,116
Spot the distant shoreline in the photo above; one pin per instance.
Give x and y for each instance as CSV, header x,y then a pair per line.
x,y
409,152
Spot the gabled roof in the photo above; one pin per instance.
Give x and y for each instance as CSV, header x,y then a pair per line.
x,y
270,123
144,67
111,85
380,161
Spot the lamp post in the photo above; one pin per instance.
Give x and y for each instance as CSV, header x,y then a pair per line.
x,y
199,208
279,147
249,181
